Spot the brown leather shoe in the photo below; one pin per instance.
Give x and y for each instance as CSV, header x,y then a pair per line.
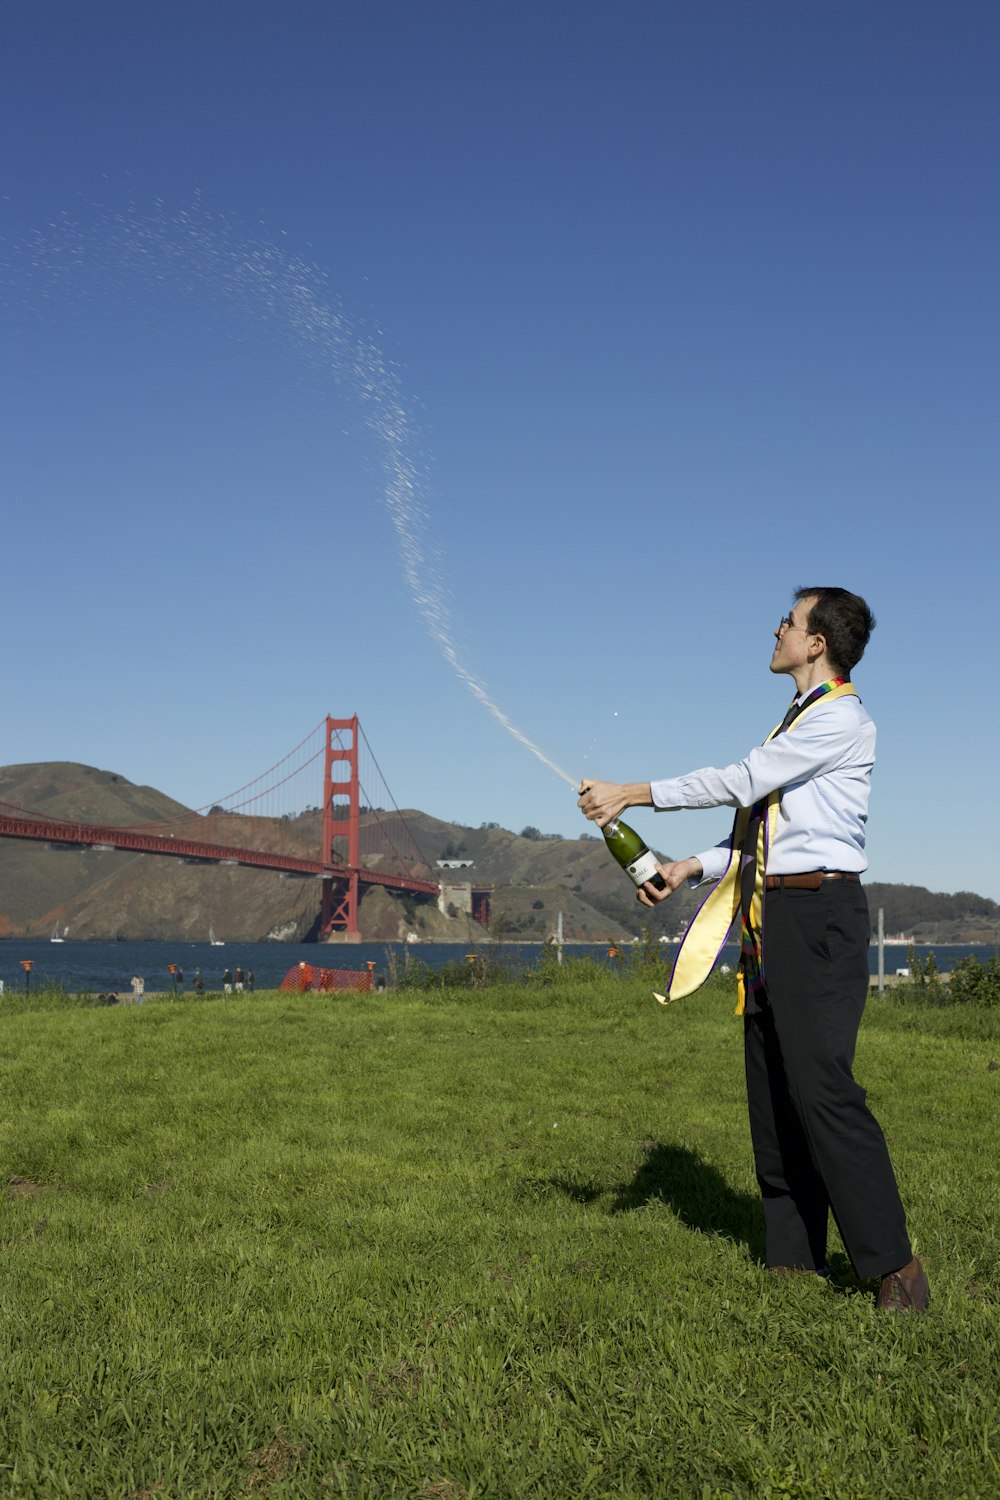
x,y
905,1290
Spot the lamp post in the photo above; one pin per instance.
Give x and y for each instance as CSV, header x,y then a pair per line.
x,y
26,964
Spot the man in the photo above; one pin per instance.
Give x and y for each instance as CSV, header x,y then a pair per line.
x,y
793,869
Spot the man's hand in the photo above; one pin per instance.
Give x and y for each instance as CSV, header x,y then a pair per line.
x,y
674,875
603,801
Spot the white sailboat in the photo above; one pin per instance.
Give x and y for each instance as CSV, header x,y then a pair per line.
x,y
58,937
214,942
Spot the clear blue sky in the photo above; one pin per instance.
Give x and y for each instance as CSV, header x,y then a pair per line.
x,y
662,308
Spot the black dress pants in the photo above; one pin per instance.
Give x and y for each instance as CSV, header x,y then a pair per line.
x,y
817,1147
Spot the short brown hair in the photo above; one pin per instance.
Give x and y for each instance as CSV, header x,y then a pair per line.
x,y
844,619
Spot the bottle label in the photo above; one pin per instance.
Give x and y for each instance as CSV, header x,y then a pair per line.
x,y
643,869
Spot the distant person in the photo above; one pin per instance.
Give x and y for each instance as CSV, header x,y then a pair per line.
x,y
250,980
791,872
138,988
227,983
180,978
239,980
198,983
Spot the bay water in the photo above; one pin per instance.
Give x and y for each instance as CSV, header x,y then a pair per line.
x,y
108,967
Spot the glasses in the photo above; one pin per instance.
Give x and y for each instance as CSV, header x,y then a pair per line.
x,y
787,623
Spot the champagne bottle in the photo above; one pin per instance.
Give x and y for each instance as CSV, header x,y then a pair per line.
x,y
632,854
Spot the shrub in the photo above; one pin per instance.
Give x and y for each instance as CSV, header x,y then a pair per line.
x,y
970,983
925,974
975,983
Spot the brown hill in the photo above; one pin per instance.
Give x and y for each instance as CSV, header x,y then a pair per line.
x,y
62,789
935,916
108,894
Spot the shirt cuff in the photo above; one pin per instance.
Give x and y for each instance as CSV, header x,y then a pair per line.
x,y
714,863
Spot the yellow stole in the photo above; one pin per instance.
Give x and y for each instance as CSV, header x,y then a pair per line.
x,y
710,927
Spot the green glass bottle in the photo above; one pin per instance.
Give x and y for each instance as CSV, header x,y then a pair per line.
x,y
632,854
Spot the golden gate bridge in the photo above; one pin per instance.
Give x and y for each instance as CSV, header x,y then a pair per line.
x,y
272,823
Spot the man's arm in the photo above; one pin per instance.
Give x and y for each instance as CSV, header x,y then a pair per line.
x,y
823,739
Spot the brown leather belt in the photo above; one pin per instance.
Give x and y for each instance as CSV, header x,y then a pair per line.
x,y
810,881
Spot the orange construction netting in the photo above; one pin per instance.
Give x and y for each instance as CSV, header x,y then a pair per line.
x,y
307,977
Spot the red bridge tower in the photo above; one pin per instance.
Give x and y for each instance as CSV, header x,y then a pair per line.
x,y
340,894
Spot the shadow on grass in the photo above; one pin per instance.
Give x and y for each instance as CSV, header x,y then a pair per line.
x,y
703,1200
698,1194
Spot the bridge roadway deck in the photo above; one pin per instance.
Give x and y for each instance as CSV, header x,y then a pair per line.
x,y
91,836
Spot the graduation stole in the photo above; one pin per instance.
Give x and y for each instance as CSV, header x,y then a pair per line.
x,y
741,887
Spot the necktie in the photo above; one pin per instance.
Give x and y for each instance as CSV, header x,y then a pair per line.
x,y
794,709
742,883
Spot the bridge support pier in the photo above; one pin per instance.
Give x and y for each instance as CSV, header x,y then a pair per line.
x,y
340,896
340,907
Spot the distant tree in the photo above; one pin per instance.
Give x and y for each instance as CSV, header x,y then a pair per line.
x,y
488,826
530,833
538,905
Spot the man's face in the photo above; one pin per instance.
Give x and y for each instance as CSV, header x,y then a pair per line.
x,y
792,639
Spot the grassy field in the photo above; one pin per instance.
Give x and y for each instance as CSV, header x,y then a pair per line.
x,y
470,1243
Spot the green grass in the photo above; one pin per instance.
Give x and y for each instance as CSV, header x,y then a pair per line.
x,y
470,1243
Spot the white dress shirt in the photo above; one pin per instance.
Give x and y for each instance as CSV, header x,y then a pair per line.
x,y
823,765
